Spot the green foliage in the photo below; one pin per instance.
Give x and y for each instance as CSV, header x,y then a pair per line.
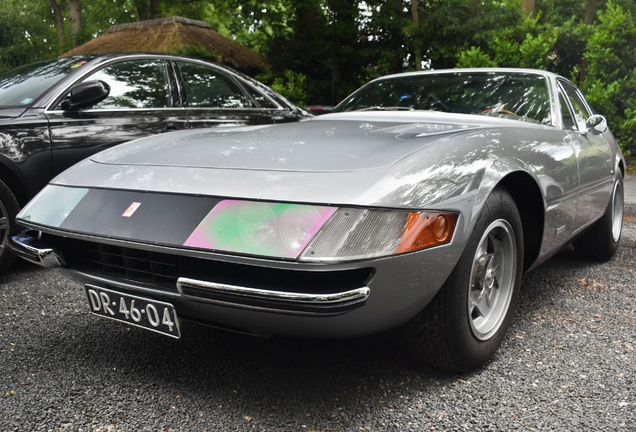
x,y
291,85
535,50
99,15
528,45
474,57
611,76
25,36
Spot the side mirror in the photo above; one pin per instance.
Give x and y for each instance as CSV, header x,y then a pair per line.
x,y
596,124
86,94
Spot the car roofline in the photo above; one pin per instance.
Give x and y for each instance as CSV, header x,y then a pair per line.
x,y
544,73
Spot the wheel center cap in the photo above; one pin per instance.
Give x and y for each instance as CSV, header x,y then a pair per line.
x,y
487,277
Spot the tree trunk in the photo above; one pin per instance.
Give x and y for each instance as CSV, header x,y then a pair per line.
x,y
475,6
529,7
59,22
590,15
142,10
75,13
416,40
154,9
590,11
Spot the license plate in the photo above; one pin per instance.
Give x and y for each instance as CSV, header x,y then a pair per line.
x,y
150,314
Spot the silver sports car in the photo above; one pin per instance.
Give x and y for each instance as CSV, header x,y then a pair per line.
x,y
418,203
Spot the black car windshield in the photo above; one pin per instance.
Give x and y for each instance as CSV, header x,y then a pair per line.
x,y
520,96
19,87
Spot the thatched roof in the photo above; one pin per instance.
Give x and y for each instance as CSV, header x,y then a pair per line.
x,y
174,35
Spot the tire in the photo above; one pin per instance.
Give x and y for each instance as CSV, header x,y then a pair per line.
x,y
600,242
9,208
459,330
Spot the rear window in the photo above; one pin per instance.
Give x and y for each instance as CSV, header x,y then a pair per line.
x,y
20,87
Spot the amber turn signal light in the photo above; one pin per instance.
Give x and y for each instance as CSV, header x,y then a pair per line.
x,y
424,230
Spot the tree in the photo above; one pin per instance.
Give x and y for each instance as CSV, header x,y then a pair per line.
x,y
58,18
146,9
75,8
529,7
416,31
610,83
25,36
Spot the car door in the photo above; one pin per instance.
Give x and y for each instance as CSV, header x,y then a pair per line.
x,y
143,100
213,97
594,157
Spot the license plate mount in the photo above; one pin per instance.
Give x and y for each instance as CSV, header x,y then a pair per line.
x,y
154,315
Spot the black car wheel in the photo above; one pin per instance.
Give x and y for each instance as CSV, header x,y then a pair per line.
x,y
9,208
467,320
601,241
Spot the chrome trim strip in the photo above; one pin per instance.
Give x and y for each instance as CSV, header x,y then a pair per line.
x,y
119,110
359,294
244,110
36,251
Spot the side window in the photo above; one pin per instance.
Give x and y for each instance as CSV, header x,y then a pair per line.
x,y
581,113
134,84
566,114
208,88
260,98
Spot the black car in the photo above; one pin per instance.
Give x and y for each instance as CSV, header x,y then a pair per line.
x,y
55,113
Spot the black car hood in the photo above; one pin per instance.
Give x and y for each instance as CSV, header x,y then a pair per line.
x,y
12,112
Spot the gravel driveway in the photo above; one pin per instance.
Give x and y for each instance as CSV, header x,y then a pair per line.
x,y
569,363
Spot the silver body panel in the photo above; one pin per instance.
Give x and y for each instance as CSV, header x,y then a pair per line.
x,y
400,160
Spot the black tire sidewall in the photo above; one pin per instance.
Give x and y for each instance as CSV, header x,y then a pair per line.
x,y
598,243
610,246
12,208
469,351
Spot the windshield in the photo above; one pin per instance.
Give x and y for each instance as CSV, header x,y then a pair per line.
x,y
21,86
519,96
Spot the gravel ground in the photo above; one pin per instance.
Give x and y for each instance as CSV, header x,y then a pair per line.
x,y
569,363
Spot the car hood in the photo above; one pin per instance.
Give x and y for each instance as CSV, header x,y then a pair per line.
x,y
10,113
339,142
397,160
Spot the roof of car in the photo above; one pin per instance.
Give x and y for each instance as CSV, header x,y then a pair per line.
x,y
473,70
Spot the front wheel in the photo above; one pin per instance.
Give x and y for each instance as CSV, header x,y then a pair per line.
x,y
9,208
467,320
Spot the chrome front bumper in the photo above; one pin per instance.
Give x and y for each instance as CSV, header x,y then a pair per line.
x,y
286,302
234,294
31,248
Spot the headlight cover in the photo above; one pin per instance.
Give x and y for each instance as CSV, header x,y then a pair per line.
x,y
355,234
52,205
259,228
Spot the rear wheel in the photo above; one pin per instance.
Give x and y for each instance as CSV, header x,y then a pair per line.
x,y
467,320
601,241
9,208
